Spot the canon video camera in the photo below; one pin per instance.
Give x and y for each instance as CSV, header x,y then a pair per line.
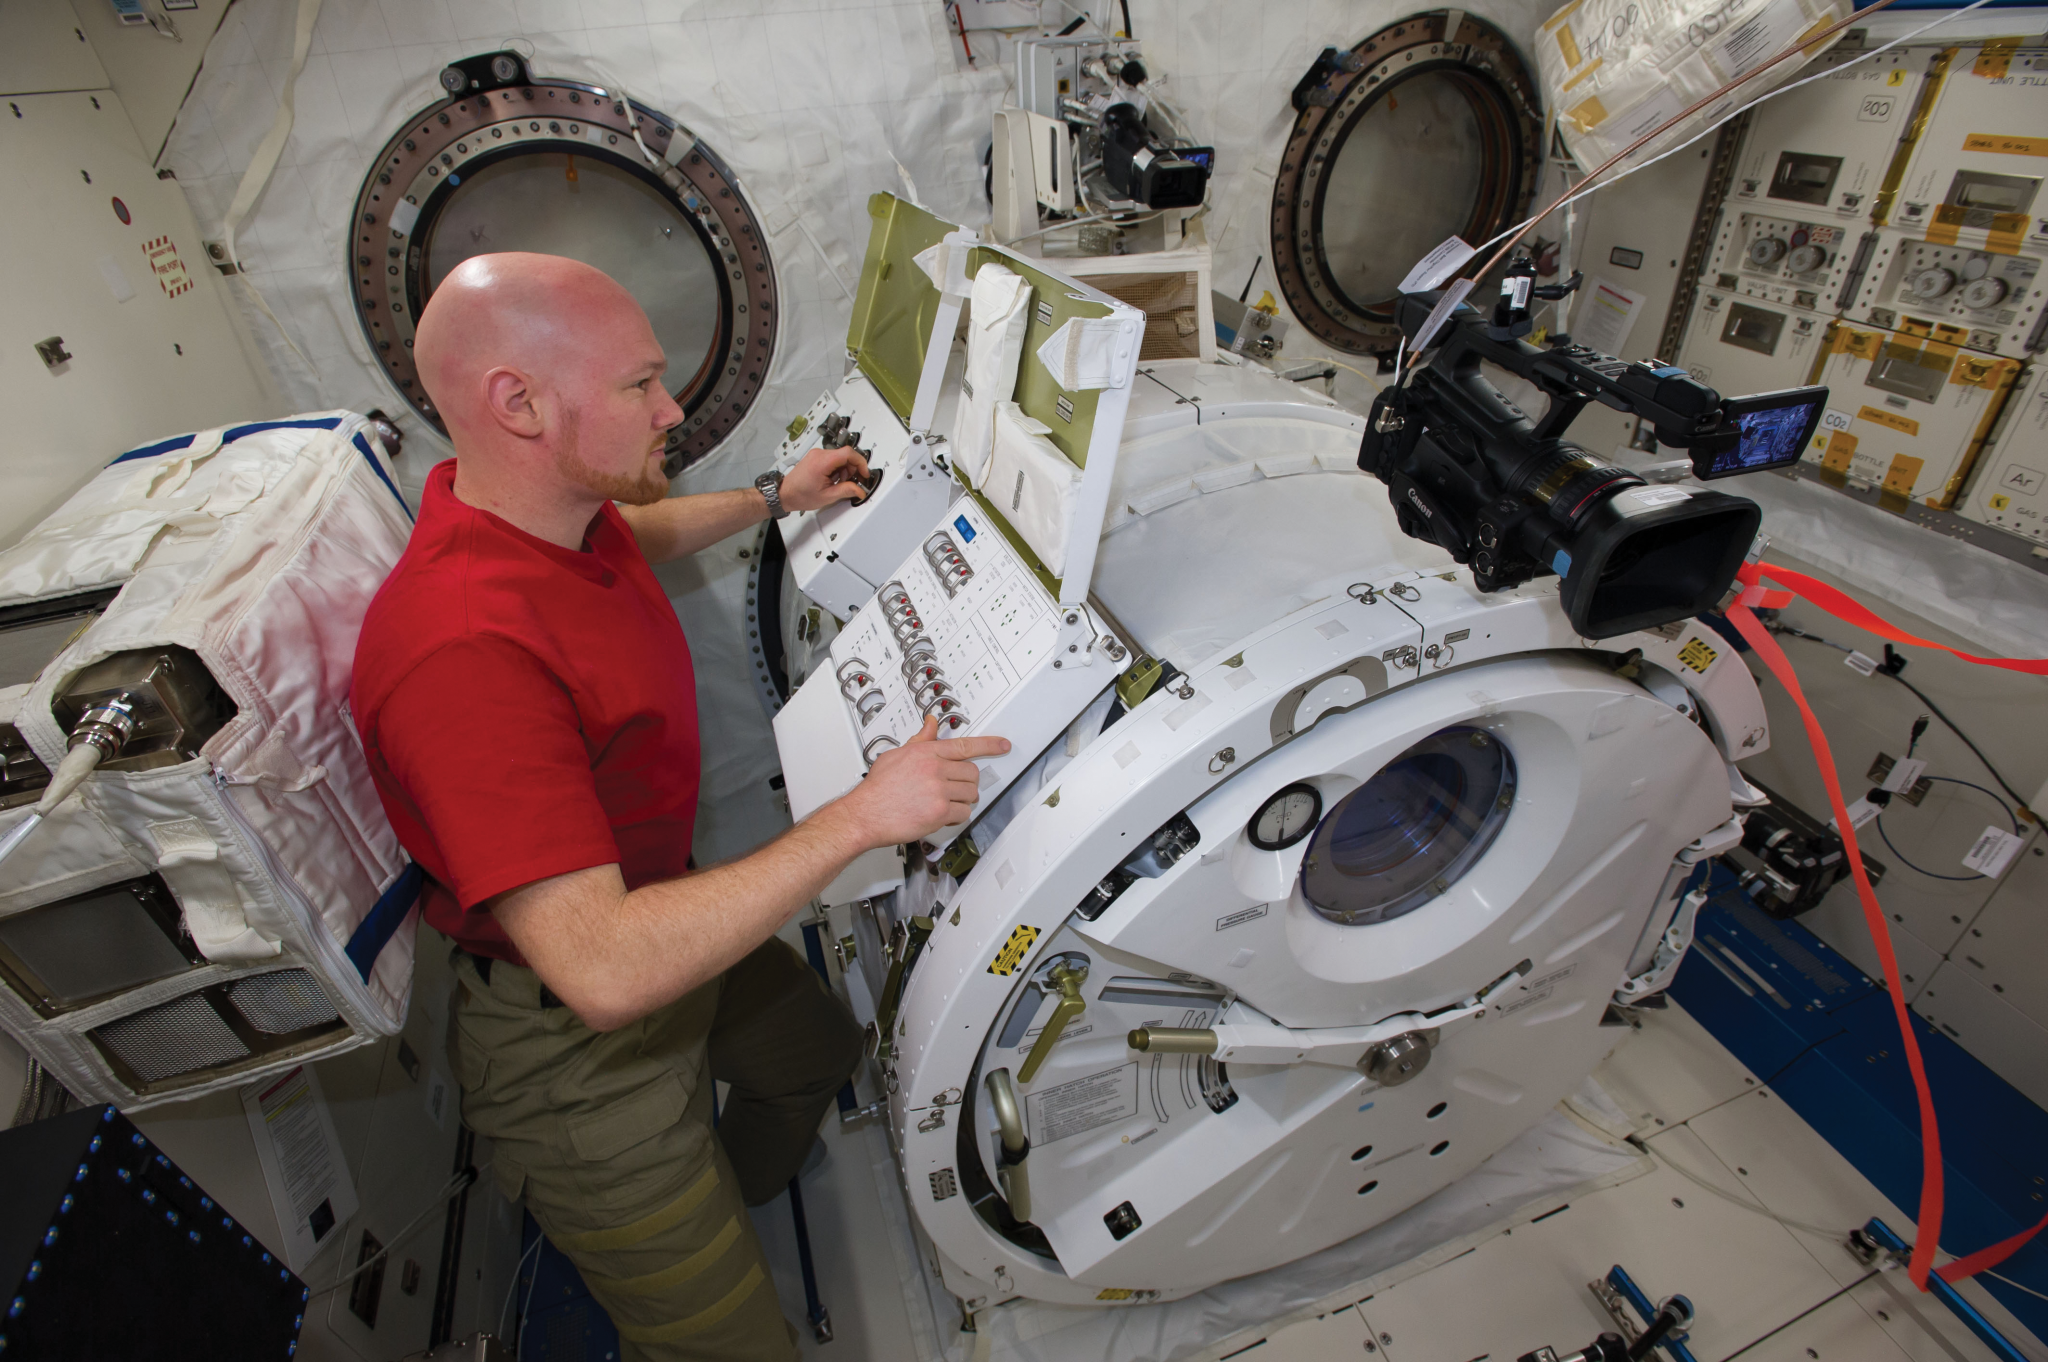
x,y
1468,470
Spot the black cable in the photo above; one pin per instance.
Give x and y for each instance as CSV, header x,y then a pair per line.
x,y
1801,1315
1129,32
1950,780
1935,709
1246,291
1779,627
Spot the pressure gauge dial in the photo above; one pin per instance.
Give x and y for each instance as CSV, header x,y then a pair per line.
x,y
1982,293
1286,818
1928,285
1766,251
1806,259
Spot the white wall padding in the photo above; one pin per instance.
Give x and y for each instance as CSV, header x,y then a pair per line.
x,y
814,104
258,548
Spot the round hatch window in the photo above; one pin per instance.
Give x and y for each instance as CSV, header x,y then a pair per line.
x,y
1408,834
510,163
1433,135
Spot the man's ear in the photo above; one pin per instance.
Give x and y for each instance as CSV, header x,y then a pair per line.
x,y
510,399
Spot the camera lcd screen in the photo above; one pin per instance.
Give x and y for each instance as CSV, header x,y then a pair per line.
x,y
1775,428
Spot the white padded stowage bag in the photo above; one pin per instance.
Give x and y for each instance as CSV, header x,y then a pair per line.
x,y
999,308
1032,484
258,547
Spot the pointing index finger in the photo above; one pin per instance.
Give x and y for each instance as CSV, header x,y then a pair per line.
x,y
963,749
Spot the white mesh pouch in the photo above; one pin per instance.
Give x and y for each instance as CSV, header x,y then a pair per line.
x,y
1032,484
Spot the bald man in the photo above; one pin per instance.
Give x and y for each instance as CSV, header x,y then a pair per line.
x,y
526,701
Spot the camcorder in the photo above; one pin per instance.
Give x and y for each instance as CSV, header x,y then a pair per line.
x,y
1468,470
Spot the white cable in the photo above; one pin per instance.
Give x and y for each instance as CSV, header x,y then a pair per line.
x,y
1730,1197
2020,1286
460,1182
526,1308
1782,89
505,1310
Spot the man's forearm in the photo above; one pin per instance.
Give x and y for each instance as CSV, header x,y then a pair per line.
x,y
614,956
679,526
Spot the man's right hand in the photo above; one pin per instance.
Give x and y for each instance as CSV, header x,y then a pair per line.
x,y
914,790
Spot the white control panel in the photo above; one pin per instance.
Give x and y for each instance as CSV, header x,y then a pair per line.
x,y
1784,260
1984,300
839,555
962,631
951,634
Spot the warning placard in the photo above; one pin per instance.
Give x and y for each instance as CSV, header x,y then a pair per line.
x,y
1013,951
1083,1105
164,262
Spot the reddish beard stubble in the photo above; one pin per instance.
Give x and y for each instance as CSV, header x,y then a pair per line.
x,y
634,489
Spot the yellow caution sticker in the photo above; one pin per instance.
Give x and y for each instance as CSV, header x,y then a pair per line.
x,y
1999,501
1115,1293
1984,371
2005,144
1903,473
1013,952
1841,449
1994,59
1696,654
1896,76
1877,416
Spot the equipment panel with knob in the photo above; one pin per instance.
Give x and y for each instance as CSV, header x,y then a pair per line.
x,y
1961,295
1783,260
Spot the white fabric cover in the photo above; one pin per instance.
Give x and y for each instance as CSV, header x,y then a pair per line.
x,y
259,552
1088,352
998,310
1032,484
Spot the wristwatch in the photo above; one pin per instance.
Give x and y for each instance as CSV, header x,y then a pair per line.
x,y
769,485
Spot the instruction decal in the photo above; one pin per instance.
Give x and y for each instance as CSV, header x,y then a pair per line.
x,y
162,254
1535,991
1241,916
1082,1105
1696,654
1013,952
1993,852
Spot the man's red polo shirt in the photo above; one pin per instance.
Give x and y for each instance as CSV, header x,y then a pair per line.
x,y
527,711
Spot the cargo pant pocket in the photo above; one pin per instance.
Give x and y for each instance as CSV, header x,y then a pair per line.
x,y
601,1135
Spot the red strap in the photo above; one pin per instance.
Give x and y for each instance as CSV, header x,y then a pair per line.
x,y
1991,1257
1929,1219
1842,607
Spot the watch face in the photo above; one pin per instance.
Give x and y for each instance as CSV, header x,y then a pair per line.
x,y
1286,818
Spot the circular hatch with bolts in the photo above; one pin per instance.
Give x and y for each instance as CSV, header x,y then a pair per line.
x,y
507,162
1413,136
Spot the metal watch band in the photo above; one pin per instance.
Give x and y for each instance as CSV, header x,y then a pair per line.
x,y
770,485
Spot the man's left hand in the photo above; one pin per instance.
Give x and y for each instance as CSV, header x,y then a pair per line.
x,y
824,476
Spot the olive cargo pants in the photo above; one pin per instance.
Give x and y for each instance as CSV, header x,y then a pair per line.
x,y
609,1138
